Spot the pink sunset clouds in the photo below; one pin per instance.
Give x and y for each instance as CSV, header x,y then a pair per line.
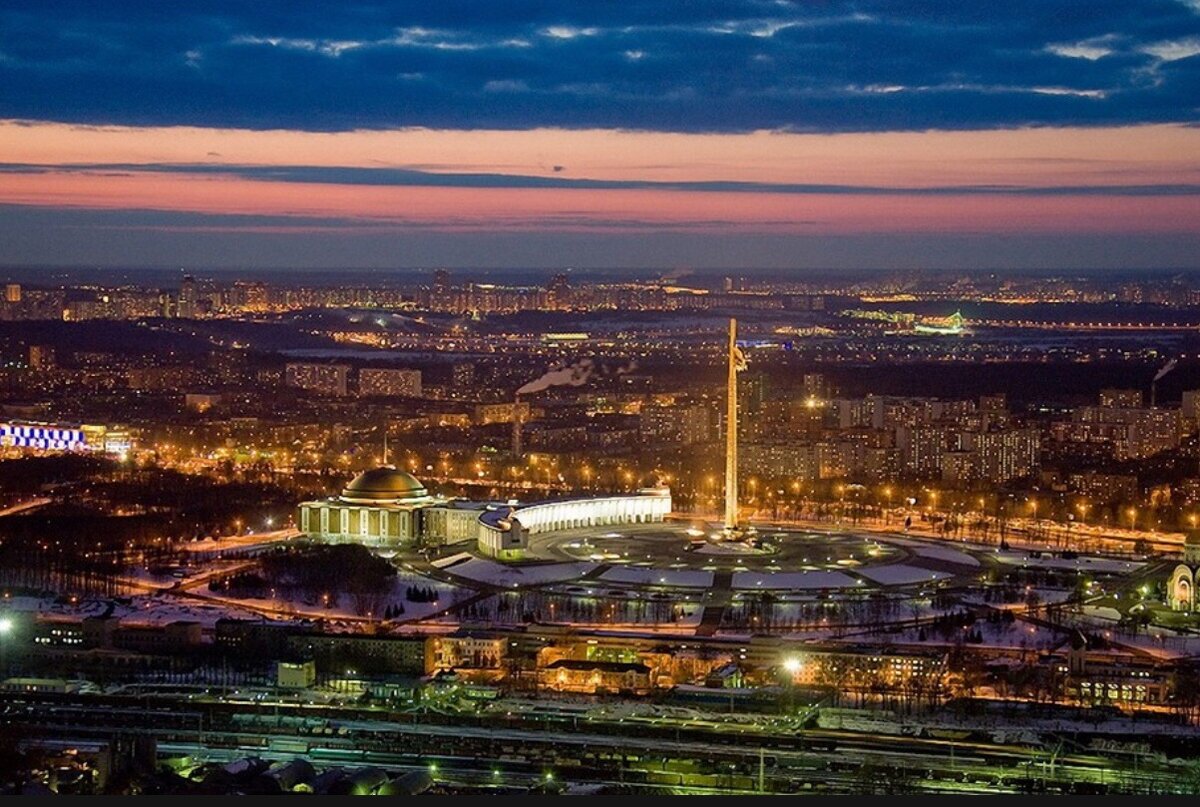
x,y
1128,179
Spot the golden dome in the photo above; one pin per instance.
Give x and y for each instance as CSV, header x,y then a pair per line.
x,y
384,485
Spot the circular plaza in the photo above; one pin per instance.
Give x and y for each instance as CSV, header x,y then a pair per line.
x,y
692,556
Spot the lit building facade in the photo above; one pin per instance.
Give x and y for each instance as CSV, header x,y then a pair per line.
x,y
382,507
504,532
387,507
43,436
327,379
386,382
1005,455
58,437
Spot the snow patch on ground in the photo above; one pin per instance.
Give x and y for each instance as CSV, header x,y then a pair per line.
x,y
151,609
944,554
728,548
901,575
445,563
499,574
792,580
685,578
1111,565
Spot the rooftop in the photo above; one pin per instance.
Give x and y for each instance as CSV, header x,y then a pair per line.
x,y
383,485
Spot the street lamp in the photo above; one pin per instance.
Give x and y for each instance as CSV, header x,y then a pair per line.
x,y
931,505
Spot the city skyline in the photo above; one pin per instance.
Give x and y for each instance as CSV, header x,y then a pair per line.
x,y
745,135
600,397
367,536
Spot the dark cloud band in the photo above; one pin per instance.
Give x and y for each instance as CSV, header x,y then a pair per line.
x,y
840,65
399,177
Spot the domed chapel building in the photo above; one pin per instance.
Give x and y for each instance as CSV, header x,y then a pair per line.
x,y
1181,585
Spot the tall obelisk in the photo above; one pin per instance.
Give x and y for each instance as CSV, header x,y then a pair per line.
x,y
731,431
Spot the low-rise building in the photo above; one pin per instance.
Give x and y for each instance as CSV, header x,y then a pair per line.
x,y
596,677
295,674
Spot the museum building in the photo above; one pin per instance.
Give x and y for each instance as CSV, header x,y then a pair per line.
x,y
387,507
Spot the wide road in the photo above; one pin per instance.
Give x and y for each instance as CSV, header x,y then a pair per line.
x,y
25,506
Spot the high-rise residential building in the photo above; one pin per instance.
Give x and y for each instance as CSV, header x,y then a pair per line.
x,y
462,375
249,296
794,461
389,383
41,357
1005,455
686,423
1133,432
327,379
1121,398
995,403
752,391
851,413
12,293
188,305
558,292
1104,488
838,459
921,449
881,464
1190,408
1148,432
441,284
488,413
959,468
816,386
993,411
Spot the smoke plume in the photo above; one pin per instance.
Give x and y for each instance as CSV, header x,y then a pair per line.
x,y
573,375
1168,367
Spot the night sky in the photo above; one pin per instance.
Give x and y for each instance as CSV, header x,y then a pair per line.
x,y
1017,134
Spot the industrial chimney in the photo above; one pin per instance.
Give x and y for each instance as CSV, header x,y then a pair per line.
x,y
516,426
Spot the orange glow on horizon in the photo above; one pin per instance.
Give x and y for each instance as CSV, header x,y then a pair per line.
x,y
578,209
1038,157
1088,158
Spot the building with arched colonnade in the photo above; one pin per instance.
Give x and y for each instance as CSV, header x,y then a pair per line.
x,y
504,533
386,507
